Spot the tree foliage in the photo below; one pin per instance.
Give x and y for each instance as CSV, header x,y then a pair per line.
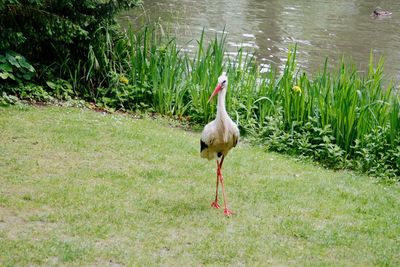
x,y
56,31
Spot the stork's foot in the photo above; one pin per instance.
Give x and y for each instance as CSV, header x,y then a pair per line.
x,y
228,212
215,205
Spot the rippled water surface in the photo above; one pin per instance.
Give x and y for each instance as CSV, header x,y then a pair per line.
x,y
321,28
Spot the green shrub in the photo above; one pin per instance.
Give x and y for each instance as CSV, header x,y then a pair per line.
x,y
15,68
376,156
58,36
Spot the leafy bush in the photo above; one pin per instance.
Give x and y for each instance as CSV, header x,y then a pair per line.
x,y
59,34
60,89
15,67
7,100
376,155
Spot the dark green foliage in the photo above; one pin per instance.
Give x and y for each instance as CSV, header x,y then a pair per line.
x,y
378,156
15,72
14,67
57,33
60,89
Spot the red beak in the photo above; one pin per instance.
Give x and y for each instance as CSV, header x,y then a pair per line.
x,y
216,90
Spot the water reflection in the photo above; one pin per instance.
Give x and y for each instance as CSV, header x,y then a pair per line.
x,y
267,27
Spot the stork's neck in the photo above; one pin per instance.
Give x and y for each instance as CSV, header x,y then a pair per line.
x,y
221,110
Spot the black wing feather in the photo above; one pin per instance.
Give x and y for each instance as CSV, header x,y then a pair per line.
x,y
203,145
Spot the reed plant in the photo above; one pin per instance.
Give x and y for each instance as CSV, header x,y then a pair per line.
x,y
201,72
327,117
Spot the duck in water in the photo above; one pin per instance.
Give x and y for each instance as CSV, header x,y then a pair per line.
x,y
380,13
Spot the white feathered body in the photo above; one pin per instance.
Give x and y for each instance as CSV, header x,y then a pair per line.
x,y
221,134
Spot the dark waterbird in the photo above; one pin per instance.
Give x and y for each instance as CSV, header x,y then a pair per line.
x,y
378,12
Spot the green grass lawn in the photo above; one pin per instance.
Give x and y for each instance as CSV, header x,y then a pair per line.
x,y
78,187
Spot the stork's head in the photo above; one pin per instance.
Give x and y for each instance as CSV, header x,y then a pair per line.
x,y
221,85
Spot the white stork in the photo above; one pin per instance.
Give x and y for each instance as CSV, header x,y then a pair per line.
x,y
218,137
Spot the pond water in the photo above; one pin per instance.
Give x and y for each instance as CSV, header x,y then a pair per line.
x,y
322,28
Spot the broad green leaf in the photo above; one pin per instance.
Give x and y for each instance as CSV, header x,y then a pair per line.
x,y
6,75
12,60
51,85
3,75
28,75
68,85
26,65
6,67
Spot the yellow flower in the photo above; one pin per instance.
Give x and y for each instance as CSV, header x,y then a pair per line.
x,y
123,79
296,89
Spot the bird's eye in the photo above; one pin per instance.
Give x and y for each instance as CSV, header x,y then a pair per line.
x,y
224,82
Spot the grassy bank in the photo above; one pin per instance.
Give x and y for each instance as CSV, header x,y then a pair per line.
x,y
82,188
342,118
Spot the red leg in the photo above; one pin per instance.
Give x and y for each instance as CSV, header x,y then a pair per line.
x,y
215,203
227,211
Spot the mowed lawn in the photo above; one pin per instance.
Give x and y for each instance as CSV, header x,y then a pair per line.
x,y
79,187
